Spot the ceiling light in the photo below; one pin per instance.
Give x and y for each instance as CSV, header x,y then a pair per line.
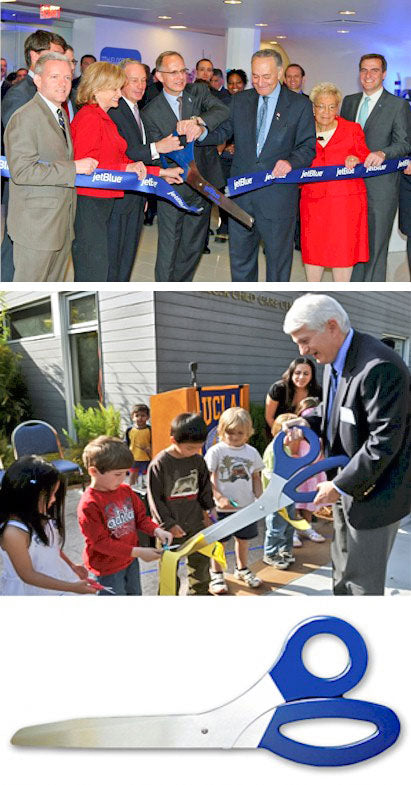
x,y
273,42
178,27
343,31
261,24
347,13
281,36
233,2
164,17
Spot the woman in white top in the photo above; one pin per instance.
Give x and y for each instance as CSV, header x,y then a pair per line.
x,y
32,533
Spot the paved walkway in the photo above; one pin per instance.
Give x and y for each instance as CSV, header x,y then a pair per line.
x,y
310,575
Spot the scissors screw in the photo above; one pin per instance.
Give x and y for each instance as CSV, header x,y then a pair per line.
x,y
204,730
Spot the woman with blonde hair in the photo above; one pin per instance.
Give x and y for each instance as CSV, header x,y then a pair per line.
x,y
94,130
334,226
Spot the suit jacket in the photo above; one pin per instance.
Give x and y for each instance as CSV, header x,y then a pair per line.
x,y
388,128
42,195
159,121
136,149
405,204
291,137
21,93
375,388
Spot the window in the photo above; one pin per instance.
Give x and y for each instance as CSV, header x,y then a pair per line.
x,y
398,344
82,309
31,321
83,349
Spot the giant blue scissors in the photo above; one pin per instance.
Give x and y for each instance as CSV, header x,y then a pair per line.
x,y
253,720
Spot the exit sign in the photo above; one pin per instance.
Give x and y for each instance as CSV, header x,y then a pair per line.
x,y
50,12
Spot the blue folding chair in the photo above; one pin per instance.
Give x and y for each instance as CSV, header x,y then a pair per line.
x,y
35,437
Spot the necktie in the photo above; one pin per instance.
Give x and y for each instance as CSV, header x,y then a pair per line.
x,y
61,122
261,123
331,397
180,107
66,109
363,113
138,118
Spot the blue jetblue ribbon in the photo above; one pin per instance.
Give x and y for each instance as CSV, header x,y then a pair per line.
x,y
124,181
255,180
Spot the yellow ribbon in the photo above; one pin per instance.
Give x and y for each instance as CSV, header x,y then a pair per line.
x,y
299,523
169,560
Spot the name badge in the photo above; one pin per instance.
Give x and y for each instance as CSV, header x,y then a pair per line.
x,y
347,415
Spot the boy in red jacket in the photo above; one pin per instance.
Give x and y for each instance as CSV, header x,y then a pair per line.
x,y
110,514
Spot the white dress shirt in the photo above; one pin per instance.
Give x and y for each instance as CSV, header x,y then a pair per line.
x,y
153,148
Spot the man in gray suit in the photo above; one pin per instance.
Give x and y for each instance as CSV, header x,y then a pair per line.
x,y
365,414
191,110
386,120
39,151
35,45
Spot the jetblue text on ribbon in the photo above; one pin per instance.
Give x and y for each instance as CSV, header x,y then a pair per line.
x,y
255,180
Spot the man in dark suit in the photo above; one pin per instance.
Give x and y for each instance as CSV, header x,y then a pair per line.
x,y
294,77
405,210
192,110
386,120
274,129
85,61
35,45
365,415
217,82
127,217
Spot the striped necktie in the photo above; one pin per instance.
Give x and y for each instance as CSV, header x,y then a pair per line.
x,y
180,107
138,118
332,390
61,122
261,123
363,113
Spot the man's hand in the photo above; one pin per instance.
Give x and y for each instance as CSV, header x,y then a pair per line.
x,y
351,161
165,537
281,169
326,494
408,169
86,165
293,431
168,144
177,531
375,159
172,175
189,128
138,168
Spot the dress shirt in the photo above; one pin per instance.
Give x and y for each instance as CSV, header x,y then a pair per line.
x,y
271,105
372,102
153,148
338,366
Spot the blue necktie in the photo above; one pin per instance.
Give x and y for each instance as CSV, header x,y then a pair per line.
x,y
363,113
331,397
261,123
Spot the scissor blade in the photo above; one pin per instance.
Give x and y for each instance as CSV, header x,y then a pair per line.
x,y
197,181
127,732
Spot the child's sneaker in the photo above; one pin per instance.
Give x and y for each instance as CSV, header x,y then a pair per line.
x,y
296,541
248,577
217,583
288,556
314,536
279,561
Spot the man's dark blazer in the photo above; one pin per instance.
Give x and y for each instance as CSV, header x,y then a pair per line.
x,y
21,93
159,121
405,204
375,388
291,137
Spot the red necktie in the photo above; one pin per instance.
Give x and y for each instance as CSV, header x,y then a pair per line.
x,y
66,109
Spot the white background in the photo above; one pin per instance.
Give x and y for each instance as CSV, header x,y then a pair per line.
x,y
79,657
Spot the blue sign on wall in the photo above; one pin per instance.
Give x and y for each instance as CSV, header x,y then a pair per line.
x,y
111,54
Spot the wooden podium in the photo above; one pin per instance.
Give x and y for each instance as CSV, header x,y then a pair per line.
x,y
208,401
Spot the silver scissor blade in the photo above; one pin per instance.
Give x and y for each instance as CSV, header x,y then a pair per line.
x,y
215,729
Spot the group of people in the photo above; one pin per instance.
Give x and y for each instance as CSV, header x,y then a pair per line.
x,y
273,126
361,412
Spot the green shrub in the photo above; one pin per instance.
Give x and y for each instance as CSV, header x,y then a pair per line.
x,y
6,452
259,439
14,398
90,423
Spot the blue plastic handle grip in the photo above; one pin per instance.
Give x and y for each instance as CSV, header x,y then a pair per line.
x,y
286,466
387,722
182,158
290,488
293,679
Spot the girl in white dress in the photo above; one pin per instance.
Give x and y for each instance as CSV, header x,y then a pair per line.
x,y
32,533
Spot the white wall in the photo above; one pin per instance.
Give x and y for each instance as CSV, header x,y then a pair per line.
x,y
91,35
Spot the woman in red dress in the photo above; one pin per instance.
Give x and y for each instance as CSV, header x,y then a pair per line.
x,y
334,225
93,130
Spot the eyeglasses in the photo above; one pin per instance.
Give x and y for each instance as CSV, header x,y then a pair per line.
x,y
323,108
73,61
176,73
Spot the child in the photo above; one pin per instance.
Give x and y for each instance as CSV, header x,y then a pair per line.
x,y
139,441
110,514
278,543
305,407
235,469
179,491
32,533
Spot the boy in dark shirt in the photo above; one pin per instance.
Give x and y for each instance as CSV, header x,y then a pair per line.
x,y
110,514
180,493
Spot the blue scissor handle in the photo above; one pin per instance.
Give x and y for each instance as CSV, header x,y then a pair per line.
x,y
182,158
387,722
290,488
286,466
293,679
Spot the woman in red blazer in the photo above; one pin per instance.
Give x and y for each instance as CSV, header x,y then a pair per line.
x,y
93,130
334,225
